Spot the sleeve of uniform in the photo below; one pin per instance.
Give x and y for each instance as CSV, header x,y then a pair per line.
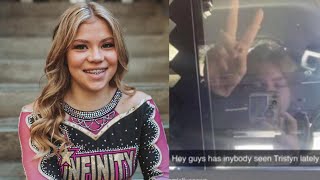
x,y
154,151
30,165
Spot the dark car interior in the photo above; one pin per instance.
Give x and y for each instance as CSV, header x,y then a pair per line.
x,y
293,25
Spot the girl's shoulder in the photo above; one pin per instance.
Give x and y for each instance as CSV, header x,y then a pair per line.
x,y
129,101
28,107
138,97
27,116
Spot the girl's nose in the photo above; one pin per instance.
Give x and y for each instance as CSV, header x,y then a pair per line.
x,y
95,55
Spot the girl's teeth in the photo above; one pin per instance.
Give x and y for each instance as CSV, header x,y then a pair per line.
x,y
97,71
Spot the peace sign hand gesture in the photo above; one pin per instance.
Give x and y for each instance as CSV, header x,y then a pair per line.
x,y
227,62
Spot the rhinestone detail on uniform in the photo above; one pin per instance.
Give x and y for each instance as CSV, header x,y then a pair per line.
x,y
89,115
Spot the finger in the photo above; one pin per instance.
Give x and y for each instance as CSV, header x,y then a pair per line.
x,y
236,54
267,126
253,29
240,58
281,123
228,42
291,123
232,20
287,142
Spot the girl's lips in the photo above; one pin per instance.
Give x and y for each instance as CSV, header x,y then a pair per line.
x,y
96,74
95,71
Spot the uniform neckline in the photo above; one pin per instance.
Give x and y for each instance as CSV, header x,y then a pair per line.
x,y
96,113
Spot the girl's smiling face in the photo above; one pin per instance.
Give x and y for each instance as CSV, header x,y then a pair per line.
x,y
92,57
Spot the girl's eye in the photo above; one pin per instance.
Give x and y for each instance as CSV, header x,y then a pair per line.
x,y
80,47
107,45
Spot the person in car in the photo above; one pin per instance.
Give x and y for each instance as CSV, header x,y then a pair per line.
x,y
232,62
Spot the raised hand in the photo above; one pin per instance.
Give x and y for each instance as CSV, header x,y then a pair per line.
x,y
287,125
227,60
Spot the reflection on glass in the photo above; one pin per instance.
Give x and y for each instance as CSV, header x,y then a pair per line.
x,y
253,147
316,141
262,85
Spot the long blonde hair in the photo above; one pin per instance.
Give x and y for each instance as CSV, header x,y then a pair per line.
x,y
46,132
